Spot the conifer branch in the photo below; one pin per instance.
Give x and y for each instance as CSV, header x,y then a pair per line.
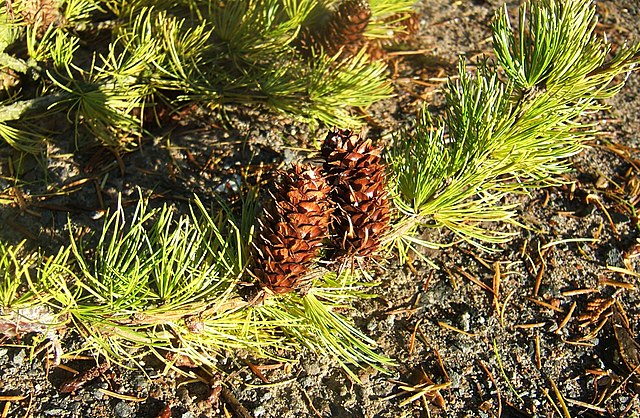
x,y
175,53
507,135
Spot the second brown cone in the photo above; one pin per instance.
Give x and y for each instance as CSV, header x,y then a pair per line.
x,y
356,174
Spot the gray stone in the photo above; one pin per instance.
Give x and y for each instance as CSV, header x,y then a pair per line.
x,y
56,412
18,358
123,410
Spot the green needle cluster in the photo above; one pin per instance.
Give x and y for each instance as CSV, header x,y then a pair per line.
x,y
112,66
510,127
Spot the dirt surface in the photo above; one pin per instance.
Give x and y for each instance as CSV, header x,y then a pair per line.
x,y
512,355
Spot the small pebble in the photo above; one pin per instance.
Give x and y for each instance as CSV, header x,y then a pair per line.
x,y
141,384
266,396
97,394
602,183
122,410
75,408
465,321
259,411
454,378
614,257
307,382
18,358
56,412
312,369
251,396
183,395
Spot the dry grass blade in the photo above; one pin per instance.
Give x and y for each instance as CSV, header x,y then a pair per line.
x,y
15,398
426,390
310,403
490,376
586,405
121,396
593,198
496,286
538,354
566,241
412,341
475,280
539,273
628,347
530,325
550,306
567,318
502,371
618,284
623,271
429,392
563,405
458,330
504,306
574,292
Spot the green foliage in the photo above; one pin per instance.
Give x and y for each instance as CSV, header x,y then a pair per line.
x,y
14,272
158,283
144,277
314,322
555,48
502,135
388,18
176,53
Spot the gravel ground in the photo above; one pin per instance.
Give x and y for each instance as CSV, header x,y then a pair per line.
x,y
509,358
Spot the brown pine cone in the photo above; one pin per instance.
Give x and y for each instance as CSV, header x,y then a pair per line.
x,y
291,232
359,189
343,30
